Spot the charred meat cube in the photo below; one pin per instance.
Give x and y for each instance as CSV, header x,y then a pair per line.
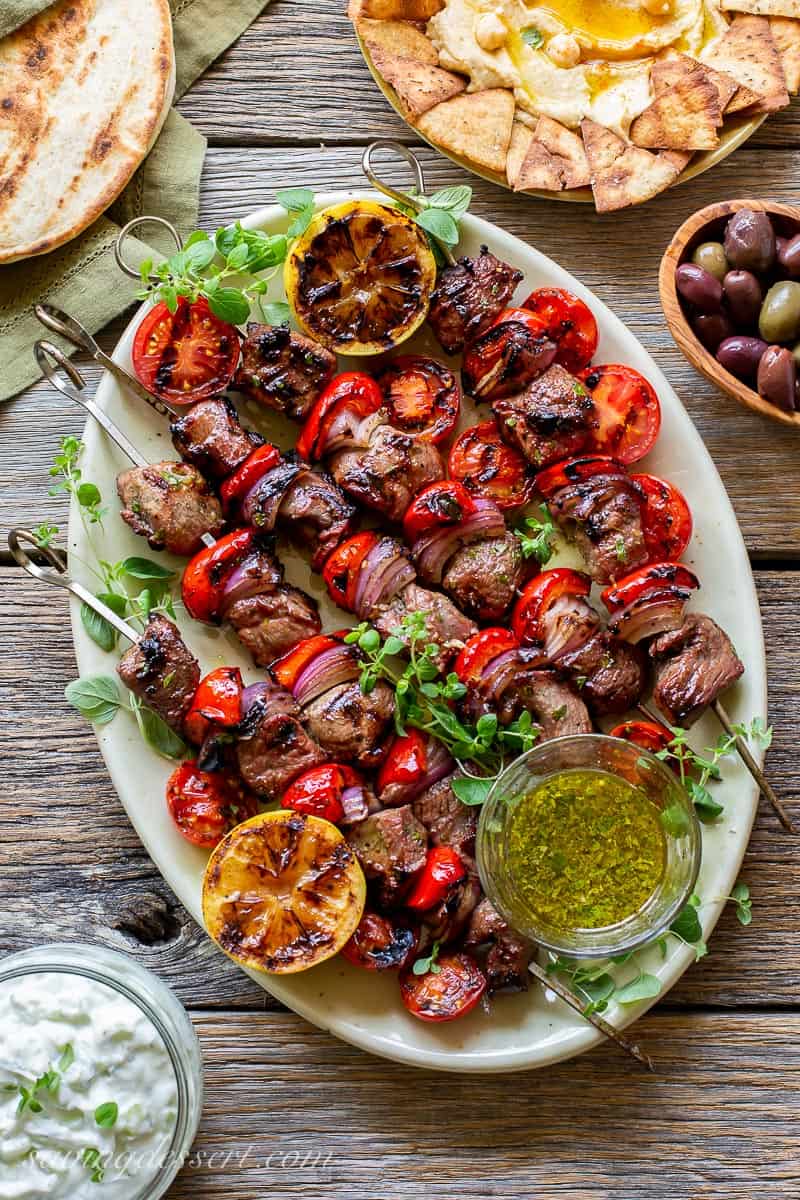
x,y
693,665
273,748
468,297
603,516
507,961
446,626
316,515
551,419
161,671
448,919
553,703
272,622
171,505
609,673
387,474
210,436
483,578
447,820
351,726
391,846
283,370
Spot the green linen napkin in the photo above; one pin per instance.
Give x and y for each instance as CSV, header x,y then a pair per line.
x,y
82,277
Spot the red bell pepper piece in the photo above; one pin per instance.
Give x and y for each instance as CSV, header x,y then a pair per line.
x,y
256,465
354,389
443,868
538,596
319,791
205,576
481,649
575,470
407,760
657,577
217,701
342,567
288,669
446,502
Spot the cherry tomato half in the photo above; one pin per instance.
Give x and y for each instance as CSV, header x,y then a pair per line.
x,y
655,577
352,389
205,576
451,992
626,409
342,568
647,734
666,517
568,322
512,352
406,761
574,470
289,667
206,805
539,595
487,467
446,502
422,395
319,791
443,868
186,355
254,467
217,702
481,649
381,943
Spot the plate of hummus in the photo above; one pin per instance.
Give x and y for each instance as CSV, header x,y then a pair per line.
x,y
604,100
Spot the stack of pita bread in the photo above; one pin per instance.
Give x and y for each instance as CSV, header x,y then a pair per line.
x,y
85,87
749,70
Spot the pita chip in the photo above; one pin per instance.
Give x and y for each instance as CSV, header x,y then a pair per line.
x,y
684,117
623,174
475,126
555,160
418,86
394,10
398,37
786,34
748,53
763,8
521,138
670,70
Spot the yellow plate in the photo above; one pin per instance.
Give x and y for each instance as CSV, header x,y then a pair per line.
x,y
735,131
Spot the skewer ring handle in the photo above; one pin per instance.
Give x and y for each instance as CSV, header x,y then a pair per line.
x,y
387,189
55,574
127,231
51,360
57,321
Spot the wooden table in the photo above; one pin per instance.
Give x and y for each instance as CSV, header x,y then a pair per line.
x,y
298,1113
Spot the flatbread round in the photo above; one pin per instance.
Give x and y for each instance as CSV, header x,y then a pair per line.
x,y
84,90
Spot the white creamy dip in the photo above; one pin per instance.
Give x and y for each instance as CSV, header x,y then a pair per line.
x,y
101,1091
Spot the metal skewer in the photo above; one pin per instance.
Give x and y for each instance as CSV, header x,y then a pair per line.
x,y
599,1022
409,199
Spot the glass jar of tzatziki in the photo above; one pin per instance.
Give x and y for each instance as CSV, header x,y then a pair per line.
x,y
101,1077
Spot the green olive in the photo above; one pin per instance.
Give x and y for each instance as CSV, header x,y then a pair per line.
x,y
711,257
780,313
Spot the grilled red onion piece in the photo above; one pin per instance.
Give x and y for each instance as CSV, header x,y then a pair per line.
x,y
384,572
569,623
348,431
262,503
337,665
252,693
498,674
659,612
354,802
432,551
246,580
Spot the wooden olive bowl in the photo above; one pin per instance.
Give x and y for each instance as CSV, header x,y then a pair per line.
x,y
707,225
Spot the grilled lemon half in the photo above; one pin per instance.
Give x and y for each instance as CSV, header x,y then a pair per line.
x,y
283,892
360,278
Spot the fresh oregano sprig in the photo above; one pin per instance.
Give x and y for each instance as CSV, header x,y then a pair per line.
x,y
706,764
536,536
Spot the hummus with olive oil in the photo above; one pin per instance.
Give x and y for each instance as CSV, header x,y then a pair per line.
x,y
570,59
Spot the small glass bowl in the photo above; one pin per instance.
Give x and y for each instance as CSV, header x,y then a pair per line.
x,y
163,1010
588,751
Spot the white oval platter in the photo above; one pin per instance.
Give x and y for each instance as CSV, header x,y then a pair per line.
x,y
522,1031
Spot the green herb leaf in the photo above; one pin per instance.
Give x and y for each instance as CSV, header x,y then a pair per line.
x,y
96,697
428,964
145,568
157,733
536,536
294,200
238,257
455,200
744,905
199,254
532,37
44,535
67,1057
230,304
98,628
105,1115
276,312
644,987
470,791
687,925
440,224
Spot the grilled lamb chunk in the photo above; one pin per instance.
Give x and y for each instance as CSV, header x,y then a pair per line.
x,y
210,436
553,704
483,578
390,845
446,626
388,473
693,665
447,820
468,297
283,370
271,623
509,954
273,748
551,419
316,515
612,673
449,918
170,504
603,516
161,671
349,725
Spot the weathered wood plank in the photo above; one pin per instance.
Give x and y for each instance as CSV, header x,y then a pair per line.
x,y
297,77
751,453
72,867
318,1118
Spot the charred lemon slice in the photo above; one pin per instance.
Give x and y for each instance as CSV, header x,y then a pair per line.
x,y
360,278
283,892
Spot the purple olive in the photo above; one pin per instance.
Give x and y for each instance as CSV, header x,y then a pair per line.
x,y
741,355
750,240
789,256
777,377
711,329
744,296
699,287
